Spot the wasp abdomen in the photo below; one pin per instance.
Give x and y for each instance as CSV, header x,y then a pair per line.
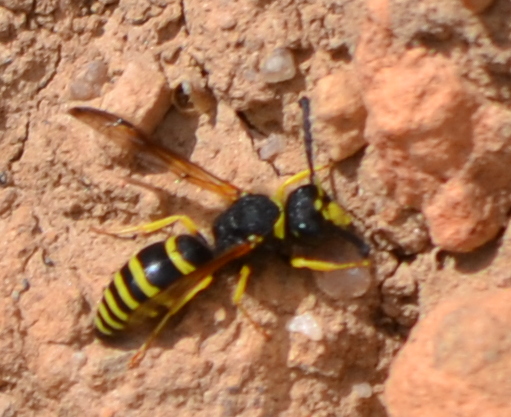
x,y
152,270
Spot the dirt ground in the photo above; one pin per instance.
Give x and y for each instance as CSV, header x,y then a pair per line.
x,y
411,99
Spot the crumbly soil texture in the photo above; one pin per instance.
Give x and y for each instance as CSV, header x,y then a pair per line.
x,y
403,94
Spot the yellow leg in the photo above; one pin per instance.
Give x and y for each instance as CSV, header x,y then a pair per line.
x,y
153,226
317,265
242,284
178,305
193,283
300,176
238,295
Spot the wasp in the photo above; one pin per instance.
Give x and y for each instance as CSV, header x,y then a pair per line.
x,y
168,274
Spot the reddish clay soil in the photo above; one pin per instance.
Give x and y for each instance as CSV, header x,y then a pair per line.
x,y
409,99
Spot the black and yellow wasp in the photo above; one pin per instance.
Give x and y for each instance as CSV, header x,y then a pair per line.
x,y
170,273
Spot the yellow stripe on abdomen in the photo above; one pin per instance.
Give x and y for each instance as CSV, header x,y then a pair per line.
x,y
177,259
140,278
124,292
99,325
105,315
112,304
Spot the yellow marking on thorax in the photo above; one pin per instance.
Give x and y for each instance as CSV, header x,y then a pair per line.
x,y
140,278
123,291
279,228
318,204
177,259
337,215
110,300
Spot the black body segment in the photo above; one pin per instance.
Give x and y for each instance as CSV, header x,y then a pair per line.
x,y
303,219
306,221
194,249
251,215
128,278
159,270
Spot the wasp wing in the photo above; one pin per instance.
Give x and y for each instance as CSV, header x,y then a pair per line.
x,y
126,134
184,289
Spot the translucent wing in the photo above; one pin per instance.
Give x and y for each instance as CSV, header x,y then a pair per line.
x,y
125,134
184,289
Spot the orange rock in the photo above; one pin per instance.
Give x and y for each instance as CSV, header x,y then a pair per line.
x,y
468,211
457,361
462,216
141,94
491,136
339,114
88,80
427,128
417,119
420,105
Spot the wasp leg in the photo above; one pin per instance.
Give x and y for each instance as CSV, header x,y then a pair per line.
x,y
177,295
245,272
317,265
152,227
179,304
300,176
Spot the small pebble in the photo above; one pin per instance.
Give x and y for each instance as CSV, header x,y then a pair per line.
x,y
279,66
220,315
80,359
363,390
47,260
346,283
88,81
23,287
307,325
271,147
4,178
226,21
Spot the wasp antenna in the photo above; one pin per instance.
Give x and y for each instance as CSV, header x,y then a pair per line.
x,y
307,135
